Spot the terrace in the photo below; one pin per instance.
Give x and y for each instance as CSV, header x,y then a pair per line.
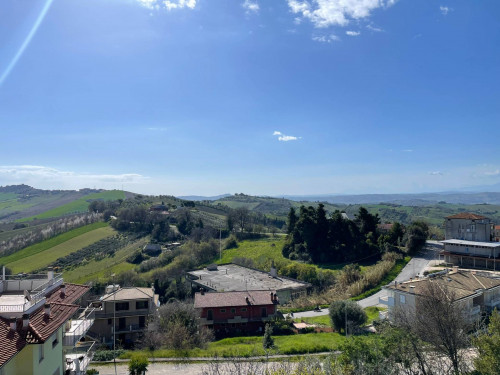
x,y
79,327
78,359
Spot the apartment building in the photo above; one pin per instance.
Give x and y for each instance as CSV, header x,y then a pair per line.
x,y
122,314
42,326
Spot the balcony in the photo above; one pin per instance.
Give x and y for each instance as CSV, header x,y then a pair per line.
x,y
79,327
79,358
238,319
388,301
130,328
476,309
493,302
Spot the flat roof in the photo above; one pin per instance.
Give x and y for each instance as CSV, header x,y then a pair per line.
x,y
128,294
232,277
234,299
472,243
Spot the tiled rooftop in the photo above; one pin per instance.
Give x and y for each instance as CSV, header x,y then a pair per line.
x,y
233,299
466,215
462,284
73,293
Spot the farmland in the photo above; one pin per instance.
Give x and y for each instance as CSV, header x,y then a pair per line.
x,y
44,253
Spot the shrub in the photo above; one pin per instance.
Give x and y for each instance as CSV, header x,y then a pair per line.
x,y
106,355
138,365
231,242
340,310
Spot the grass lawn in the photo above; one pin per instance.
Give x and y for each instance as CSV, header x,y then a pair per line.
x,y
48,256
324,320
51,242
252,346
79,205
260,251
95,270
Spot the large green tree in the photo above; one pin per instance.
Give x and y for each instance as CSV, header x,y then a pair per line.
x,y
488,347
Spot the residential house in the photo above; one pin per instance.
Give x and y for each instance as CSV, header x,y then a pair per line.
x,y
125,309
472,293
229,313
496,233
385,228
468,242
42,328
236,278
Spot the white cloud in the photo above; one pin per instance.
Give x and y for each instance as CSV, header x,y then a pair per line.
x,y
445,10
407,150
326,38
251,6
436,173
353,33
167,4
285,138
47,177
373,28
325,13
492,173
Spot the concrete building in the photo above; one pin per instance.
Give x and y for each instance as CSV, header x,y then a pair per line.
x,y
473,293
125,309
468,226
468,242
42,327
234,278
236,313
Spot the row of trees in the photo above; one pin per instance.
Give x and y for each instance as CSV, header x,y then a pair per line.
x,y
312,236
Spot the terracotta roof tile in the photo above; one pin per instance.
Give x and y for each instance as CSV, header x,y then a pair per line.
x,y
72,294
45,326
466,215
233,299
11,342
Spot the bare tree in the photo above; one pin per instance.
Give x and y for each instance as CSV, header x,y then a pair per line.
x,y
440,320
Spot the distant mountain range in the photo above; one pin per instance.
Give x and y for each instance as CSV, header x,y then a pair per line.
x,y
203,198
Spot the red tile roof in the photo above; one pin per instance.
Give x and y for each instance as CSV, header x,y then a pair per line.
x,y
72,294
40,327
466,215
233,299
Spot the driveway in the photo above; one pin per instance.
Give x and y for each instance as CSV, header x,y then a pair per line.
x,y
415,266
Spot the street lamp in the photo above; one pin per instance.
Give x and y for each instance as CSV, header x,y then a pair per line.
x,y
114,320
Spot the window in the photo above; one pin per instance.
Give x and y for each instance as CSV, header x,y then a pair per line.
x,y
110,321
121,323
121,306
210,315
233,311
402,298
55,341
222,310
141,305
263,311
142,321
40,353
243,309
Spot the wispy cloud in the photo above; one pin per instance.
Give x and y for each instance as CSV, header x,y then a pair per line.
x,y
492,173
445,10
251,6
285,138
352,33
326,13
168,4
43,176
157,129
407,150
374,28
436,173
325,38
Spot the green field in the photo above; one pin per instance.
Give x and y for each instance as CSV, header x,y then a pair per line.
x,y
78,206
324,320
102,269
252,346
41,255
260,251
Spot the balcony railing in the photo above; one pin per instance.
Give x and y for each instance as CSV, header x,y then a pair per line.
x,y
130,328
388,301
79,358
79,327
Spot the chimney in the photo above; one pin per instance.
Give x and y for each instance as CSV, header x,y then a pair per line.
x,y
26,321
273,271
455,269
247,300
50,273
272,297
63,290
13,323
202,291
47,309
412,288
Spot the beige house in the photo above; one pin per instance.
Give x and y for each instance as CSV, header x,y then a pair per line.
x,y
473,293
125,309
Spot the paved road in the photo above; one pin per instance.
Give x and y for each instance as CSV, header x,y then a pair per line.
x,y
415,266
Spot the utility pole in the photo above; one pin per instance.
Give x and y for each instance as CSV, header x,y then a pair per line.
x,y
114,320
220,242
345,311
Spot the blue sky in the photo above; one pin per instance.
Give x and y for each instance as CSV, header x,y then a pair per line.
x,y
261,97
